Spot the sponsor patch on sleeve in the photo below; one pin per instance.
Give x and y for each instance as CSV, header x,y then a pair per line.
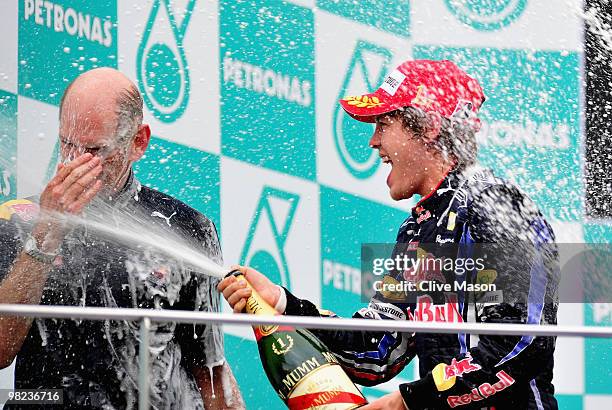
x,y
486,276
388,310
445,375
452,218
26,210
493,297
483,391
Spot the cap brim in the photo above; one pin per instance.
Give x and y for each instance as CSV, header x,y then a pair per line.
x,y
367,107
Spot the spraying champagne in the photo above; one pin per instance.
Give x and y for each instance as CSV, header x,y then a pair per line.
x,y
304,373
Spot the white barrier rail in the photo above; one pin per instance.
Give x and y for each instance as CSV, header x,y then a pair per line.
x,y
146,316
95,313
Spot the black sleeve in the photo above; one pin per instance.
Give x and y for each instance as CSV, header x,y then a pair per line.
x,y
368,357
500,368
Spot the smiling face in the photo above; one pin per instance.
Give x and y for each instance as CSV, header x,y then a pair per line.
x,y
405,153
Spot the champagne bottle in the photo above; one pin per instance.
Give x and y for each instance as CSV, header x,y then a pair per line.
x,y
304,373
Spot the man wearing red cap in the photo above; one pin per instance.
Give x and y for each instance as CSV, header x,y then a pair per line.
x,y
425,115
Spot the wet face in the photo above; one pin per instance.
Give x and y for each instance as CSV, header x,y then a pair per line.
x,y
93,131
404,152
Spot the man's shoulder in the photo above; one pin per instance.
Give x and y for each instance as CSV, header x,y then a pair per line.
x,y
497,204
164,205
479,179
483,185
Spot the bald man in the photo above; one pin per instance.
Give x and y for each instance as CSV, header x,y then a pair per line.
x,y
48,260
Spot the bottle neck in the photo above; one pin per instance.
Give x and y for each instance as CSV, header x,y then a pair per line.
x,y
255,304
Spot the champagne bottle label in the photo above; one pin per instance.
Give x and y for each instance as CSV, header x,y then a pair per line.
x,y
325,388
304,373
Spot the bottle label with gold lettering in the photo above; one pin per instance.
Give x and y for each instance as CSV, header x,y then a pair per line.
x,y
303,372
325,388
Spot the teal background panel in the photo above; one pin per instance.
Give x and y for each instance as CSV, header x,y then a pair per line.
x,y
598,373
50,57
598,232
392,16
8,146
261,122
487,15
569,401
598,352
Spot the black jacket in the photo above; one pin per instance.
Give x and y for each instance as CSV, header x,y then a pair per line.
x,y
96,362
471,214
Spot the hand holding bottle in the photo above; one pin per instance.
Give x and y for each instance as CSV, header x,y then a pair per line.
x,y
236,292
302,370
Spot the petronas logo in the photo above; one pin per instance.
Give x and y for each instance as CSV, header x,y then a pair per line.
x,y
487,15
264,248
366,71
161,65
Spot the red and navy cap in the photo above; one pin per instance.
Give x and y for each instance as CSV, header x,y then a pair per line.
x,y
438,86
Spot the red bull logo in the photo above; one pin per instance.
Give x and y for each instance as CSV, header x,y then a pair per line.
x,y
423,217
427,311
26,210
413,246
483,391
457,368
445,375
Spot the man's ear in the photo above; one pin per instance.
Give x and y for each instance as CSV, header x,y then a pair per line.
x,y
434,124
140,143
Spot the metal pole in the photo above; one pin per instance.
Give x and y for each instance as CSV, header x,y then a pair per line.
x,y
96,313
143,364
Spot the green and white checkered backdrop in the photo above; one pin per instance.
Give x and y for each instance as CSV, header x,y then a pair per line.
x,y
241,98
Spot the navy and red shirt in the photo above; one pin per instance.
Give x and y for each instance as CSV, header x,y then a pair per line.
x,y
469,212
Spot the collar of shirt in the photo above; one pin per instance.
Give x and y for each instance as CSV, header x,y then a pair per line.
x,y
443,191
128,193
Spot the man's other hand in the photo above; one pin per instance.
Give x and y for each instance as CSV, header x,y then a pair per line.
x,y
236,292
73,187
68,192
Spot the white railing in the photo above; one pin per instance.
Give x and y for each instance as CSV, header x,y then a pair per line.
x,y
146,316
